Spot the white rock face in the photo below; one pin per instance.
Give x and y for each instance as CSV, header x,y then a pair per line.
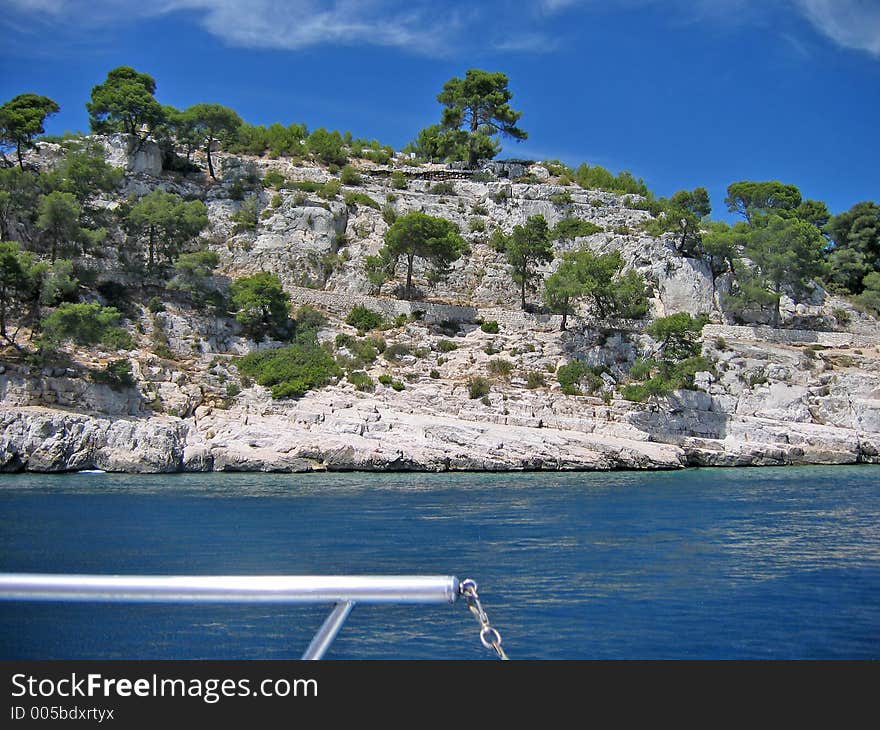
x,y
773,396
132,155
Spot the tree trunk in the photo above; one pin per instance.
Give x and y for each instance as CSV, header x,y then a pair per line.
x,y
522,291
564,319
152,246
210,164
18,152
409,270
3,313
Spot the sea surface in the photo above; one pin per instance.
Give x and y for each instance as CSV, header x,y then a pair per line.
x,y
779,563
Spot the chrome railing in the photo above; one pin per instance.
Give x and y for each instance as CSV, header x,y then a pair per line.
x,y
344,591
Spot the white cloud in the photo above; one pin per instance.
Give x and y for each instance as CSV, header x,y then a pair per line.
x,y
849,23
418,25
441,27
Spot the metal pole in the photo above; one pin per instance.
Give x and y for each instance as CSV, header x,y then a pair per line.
x,y
230,588
328,631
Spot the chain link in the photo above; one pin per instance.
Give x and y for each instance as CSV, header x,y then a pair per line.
x,y
489,635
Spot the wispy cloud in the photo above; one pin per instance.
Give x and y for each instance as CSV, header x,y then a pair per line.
x,y
849,23
417,25
436,27
853,24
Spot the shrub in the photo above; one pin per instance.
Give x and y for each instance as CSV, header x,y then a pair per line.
x,y
361,381
117,374
535,379
291,371
562,197
490,327
479,209
570,228
635,392
86,324
357,198
262,306
274,179
309,319
442,188
276,201
247,216
364,319
500,195
434,374
389,215
498,241
398,180
155,305
500,368
395,352
571,376
378,342
350,176
478,387
385,379
490,349
477,225
232,390
641,369
398,385
330,189
446,346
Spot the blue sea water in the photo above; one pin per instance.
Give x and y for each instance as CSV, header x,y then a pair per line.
x,y
711,563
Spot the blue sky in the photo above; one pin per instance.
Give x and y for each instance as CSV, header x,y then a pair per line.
x,y
680,92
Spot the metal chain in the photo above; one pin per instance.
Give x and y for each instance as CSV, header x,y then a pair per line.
x,y
489,635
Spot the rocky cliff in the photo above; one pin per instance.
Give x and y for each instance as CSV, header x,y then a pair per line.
x,y
807,391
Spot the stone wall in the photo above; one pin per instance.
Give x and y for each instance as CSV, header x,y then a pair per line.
x,y
788,337
340,304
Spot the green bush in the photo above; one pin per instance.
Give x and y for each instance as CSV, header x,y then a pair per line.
x,y
155,305
330,189
386,379
350,176
307,186
570,228
309,319
479,209
361,381
576,373
477,225
274,179
246,217
353,198
442,188
641,369
364,319
490,327
389,215
395,352
535,379
86,324
434,374
635,392
291,371
501,195
478,387
500,368
398,385
398,180
561,198
117,374
446,346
